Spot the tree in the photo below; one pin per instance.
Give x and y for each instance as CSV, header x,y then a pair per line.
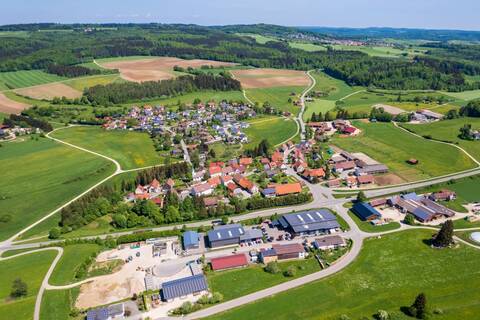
x,y
272,267
54,233
445,236
409,219
466,132
361,197
382,315
419,307
120,221
19,288
291,271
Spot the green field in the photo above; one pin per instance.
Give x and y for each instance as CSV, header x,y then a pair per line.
x,y
393,147
258,38
376,51
448,130
368,227
465,95
56,304
275,129
334,88
387,275
38,176
26,78
277,97
306,46
31,268
86,82
73,256
130,149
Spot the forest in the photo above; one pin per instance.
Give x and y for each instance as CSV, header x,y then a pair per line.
x,y
442,69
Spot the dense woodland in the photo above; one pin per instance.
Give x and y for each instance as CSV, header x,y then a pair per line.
x,y
71,71
27,121
123,92
441,69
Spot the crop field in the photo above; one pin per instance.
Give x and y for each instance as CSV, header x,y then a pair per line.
x,y
38,176
31,268
49,91
8,105
448,130
73,256
130,149
393,147
26,78
154,68
86,82
56,304
277,97
267,78
275,129
390,271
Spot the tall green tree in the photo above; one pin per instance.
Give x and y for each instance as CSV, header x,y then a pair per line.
x,y
445,236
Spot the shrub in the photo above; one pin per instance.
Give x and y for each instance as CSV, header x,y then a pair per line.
x,y
290,272
382,315
19,288
272,267
54,233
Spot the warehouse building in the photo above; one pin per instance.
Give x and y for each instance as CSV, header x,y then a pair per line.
x,y
309,222
183,287
191,240
366,212
225,235
229,262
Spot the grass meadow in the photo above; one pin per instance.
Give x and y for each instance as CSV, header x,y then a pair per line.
x,y
56,304
448,130
388,274
277,97
275,129
393,147
39,176
366,226
31,268
130,149
86,82
26,78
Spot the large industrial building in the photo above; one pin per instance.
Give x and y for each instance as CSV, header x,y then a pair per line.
x,y
309,222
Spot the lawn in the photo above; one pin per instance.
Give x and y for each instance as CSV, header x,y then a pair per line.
x,y
27,78
86,82
377,51
277,97
387,275
73,256
366,226
448,130
393,147
31,268
130,149
334,88
39,176
465,95
275,129
57,304
236,283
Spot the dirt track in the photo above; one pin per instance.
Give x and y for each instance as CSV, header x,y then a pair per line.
x,y
267,78
50,91
9,106
153,69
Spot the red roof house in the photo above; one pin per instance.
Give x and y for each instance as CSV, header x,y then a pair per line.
x,y
288,188
229,262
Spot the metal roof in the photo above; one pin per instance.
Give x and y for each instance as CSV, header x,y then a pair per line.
x,y
365,210
184,286
310,220
251,234
422,214
190,238
98,314
228,231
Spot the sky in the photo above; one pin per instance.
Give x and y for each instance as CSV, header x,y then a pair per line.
x,y
428,14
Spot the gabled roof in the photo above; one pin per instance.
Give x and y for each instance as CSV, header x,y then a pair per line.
x,y
288,188
365,211
228,231
190,238
184,286
288,248
309,220
232,261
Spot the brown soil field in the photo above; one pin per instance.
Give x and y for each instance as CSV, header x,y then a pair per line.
x,y
388,179
49,91
9,106
266,78
155,69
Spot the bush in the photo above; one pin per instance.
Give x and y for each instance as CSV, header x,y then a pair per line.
x,y
382,315
19,288
272,267
409,219
290,272
54,233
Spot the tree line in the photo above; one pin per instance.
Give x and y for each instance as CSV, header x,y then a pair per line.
x,y
27,121
71,71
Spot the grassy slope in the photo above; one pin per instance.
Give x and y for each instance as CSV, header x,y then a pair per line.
x,y
56,304
86,82
311,47
38,176
465,95
393,147
130,149
27,78
274,129
387,275
73,256
277,96
448,130
31,269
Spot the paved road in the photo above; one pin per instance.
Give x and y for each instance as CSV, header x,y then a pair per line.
x,y
302,104
186,155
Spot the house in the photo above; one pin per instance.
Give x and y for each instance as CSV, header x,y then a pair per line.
x,y
116,311
366,179
365,211
443,195
277,156
268,255
245,161
334,183
309,222
210,202
342,166
288,188
183,287
378,202
245,184
330,242
289,251
311,174
225,235
203,189
169,184
268,192
349,130
215,171
229,262
191,240
214,182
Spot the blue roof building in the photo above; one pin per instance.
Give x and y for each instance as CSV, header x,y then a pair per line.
x,y
191,240
309,222
365,211
183,287
225,235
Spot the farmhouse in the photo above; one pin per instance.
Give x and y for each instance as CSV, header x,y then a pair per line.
x,y
229,262
288,188
424,209
342,166
443,195
309,222
183,287
330,242
311,174
366,179
366,212
203,189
